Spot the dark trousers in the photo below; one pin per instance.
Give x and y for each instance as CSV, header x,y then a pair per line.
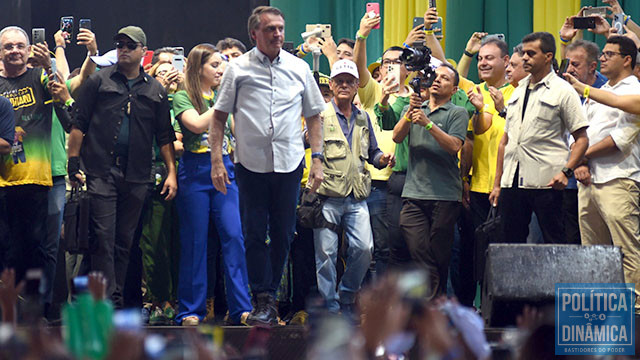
x,y
24,211
516,206
570,216
461,268
267,204
115,211
427,225
479,208
398,252
303,259
377,203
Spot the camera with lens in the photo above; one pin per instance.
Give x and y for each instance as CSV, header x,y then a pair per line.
x,y
417,57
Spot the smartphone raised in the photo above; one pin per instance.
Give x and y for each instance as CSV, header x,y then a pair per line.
x,y
432,3
373,9
417,21
37,35
178,62
54,68
493,36
66,25
148,57
618,23
394,70
180,50
84,24
326,29
584,22
437,27
564,65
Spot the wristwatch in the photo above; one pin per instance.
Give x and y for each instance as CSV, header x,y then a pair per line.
x,y
503,113
567,172
317,155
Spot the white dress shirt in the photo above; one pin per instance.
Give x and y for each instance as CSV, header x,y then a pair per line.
x,y
623,128
267,100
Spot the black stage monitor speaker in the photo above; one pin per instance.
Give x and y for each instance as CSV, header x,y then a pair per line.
x,y
519,274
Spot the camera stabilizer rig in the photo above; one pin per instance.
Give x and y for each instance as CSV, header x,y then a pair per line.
x,y
418,58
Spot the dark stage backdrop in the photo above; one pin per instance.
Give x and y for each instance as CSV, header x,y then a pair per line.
x,y
183,23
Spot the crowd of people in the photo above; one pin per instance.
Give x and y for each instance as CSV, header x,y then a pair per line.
x,y
237,189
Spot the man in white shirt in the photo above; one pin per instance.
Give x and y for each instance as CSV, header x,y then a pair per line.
x,y
608,206
267,90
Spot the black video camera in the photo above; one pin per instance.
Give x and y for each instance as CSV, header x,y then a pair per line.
x,y
417,58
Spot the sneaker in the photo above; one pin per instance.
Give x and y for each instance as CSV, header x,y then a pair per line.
x,y
169,311
191,321
158,318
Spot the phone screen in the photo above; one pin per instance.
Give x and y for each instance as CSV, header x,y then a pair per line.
x,y
66,25
85,24
373,9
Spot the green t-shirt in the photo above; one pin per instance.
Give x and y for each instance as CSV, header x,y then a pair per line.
x,y
388,119
432,172
198,143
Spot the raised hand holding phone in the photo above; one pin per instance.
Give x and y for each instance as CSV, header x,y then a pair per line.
x,y
373,9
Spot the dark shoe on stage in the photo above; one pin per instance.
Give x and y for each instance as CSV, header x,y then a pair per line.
x,y
264,312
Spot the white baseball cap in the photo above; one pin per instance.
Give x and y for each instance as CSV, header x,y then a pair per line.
x,y
344,67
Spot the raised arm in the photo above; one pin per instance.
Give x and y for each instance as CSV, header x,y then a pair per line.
x,y
626,103
360,50
87,38
473,46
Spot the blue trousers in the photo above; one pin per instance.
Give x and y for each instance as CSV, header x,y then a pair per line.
x,y
198,203
268,204
54,224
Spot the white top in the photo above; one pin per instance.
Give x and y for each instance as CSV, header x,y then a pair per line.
x,y
267,100
623,128
537,144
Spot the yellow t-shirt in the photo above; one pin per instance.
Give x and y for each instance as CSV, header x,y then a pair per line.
x,y
370,95
485,146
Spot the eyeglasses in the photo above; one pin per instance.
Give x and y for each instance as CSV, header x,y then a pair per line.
x,y
129,45
609,54
391,61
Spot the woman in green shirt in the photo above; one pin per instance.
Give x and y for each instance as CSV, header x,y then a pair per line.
x,y
199,202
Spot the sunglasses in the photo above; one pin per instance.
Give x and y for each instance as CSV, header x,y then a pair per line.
x,y
129,45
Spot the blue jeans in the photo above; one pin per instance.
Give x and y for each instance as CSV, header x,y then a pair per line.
x,y
354,217
267,204
377,204
199,203
54,224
